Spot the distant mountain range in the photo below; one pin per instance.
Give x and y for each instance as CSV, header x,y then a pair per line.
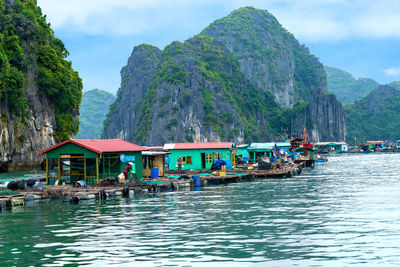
x,y
93,111
372,110
375,117
346,88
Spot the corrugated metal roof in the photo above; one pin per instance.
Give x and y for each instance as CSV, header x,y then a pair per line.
x,y
283,144
100,145
154,153
322,143
154,148
340,143
329,143
242,146
213,145
261,146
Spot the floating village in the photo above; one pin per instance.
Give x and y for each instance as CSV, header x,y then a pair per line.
x,y
83,169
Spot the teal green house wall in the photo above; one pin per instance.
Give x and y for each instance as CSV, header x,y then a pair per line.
x,y
242,152
71,149
75,160
119,166
331,146
197,161
258,150
110,164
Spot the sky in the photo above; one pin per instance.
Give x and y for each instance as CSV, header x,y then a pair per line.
x,y
358,36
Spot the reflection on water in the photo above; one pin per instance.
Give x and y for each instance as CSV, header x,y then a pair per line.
x,y
18,175
345,211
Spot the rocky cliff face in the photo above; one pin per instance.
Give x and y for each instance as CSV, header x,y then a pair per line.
x,y
22,139
263,49
169,93
242,79
136,75
39,92
324,118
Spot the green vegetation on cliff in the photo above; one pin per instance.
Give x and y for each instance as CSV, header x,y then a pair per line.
x,y
345,87
395,85
222,69
29,50
375,117
243,78
93,110
256,35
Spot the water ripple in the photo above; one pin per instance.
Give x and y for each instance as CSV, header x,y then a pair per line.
x,y
343,212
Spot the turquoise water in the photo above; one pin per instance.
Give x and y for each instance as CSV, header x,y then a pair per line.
x,y
18,175
344,212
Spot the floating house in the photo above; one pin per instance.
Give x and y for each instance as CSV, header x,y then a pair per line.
x,y
154,163
242,153
196,156
372,146
91,160
258,150
283,147
397,143
330,147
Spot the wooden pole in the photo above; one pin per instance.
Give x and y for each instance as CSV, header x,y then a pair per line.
x,y
59,170
47,171
109,167
147,160
97,170
84,169
163,164
104,170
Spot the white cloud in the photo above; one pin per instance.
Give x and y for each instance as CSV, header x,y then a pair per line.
x,y
309,20
394,71
332,20
121,17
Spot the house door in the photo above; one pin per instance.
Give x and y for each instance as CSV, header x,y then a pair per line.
x,y
203,160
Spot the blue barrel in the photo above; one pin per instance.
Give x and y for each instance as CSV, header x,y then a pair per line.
x,y
196,179
81,183
228,165
154,173
246,159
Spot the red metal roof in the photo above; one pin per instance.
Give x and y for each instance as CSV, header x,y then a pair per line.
x,y
100,145
213,145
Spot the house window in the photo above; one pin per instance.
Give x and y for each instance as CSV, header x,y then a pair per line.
x,y
216,156
189,160
208,158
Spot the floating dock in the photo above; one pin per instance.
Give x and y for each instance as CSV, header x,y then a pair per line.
x,y
173,182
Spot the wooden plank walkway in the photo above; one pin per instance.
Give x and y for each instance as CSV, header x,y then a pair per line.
x,y
164,184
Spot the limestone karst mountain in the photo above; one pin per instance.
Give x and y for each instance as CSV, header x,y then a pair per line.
x,y
243,78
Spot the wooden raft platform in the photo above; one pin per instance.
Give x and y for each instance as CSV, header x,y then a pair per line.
x,y
164,184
